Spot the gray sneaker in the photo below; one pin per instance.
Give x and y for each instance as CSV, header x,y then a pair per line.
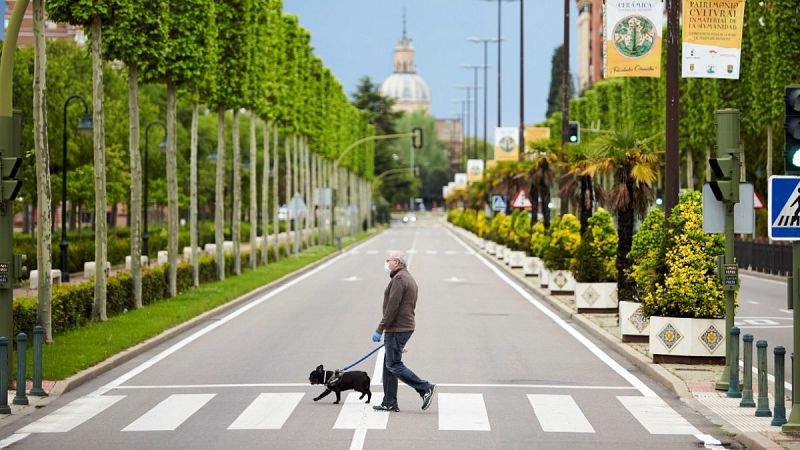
x,y
427,399
386,408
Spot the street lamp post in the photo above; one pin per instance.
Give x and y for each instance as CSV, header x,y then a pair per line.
x,y
84,128
486,90
499,41
146,234
467,102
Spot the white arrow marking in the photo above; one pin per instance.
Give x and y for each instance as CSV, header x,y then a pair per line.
x,y
353,278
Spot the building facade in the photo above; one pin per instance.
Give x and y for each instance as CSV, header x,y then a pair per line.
x,y
590,43
410,90
51,29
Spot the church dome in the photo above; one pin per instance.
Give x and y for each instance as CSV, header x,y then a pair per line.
x,y
406,87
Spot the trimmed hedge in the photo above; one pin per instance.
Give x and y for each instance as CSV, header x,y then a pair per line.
x,y
72,303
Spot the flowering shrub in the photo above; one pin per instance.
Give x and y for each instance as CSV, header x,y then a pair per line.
x,y
647,256
539,238
494,228
565,236
690,287
596,255
520,235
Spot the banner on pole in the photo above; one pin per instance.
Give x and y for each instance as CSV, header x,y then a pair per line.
x,y
506,147
474,170
460,181
533,134
712,38
633,38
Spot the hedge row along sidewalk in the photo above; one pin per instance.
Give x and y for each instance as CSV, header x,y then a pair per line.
x,y
80,348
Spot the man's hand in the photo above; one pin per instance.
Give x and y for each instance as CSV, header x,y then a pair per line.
x,y
376,337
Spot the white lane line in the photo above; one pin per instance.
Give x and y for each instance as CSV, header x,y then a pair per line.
x,y
656,416
71,415
766,280
13,439
359,436
430,252
210,327
463,412
372,252
170,413
787,311
450,252
268,411
752,302
356,414
559,414
591,346
377,374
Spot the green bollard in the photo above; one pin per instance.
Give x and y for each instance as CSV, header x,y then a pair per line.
x,y
22,349
38,341
747,389
780,405
762,409
4,408
733,383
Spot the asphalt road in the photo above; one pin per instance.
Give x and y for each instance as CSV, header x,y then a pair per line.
x,y
511,373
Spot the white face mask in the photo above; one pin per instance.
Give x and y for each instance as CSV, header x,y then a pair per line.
x,y
386,267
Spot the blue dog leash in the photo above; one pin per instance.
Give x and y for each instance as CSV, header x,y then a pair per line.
x,y
363,358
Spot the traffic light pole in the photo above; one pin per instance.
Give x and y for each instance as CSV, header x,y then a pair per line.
x,y
793,424
6,241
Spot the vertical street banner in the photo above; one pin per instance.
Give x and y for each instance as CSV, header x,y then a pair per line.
x,y
712,38
460,181
506,147
533,134
633,38
474,170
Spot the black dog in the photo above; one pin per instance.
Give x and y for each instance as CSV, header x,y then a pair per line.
x,y
341,381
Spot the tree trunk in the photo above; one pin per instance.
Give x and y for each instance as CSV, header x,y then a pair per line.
x,y
236,209
43,231
625,219
276,224
172,188
689,170
265,196
135,213
769,150
193,240
288,179
100,238
253,191
219,197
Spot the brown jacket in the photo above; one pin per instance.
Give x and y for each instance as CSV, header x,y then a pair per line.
x,y
399,301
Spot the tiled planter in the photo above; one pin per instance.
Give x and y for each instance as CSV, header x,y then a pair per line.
x,y
491,247
481,243
500,252
561,282
633,325
681,340
507,256
544,276
531,266
516,259
596,297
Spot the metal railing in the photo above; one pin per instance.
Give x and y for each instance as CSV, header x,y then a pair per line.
x,y
765,257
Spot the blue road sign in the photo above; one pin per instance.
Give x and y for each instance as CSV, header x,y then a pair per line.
x,y
784,208
498,203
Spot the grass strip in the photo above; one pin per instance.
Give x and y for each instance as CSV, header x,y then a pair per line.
x,y
78,349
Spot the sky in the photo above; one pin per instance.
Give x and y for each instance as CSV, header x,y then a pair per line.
x,y
357,38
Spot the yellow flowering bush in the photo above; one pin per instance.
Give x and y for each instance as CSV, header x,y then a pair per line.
x,y
690,287
520,234
596,255
564,240
482,224
538,239
494,228
647,255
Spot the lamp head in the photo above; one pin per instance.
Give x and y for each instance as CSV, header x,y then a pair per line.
x,y
85,126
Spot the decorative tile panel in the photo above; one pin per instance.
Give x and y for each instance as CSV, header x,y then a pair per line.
x,y
711,338
638,319
590,295
670,336
560,280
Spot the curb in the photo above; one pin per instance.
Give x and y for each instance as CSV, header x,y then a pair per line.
x,y
752,440
126,355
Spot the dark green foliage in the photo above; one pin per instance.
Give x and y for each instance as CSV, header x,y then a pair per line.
x,y
597,251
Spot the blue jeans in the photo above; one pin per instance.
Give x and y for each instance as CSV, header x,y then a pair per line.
x,y
394,369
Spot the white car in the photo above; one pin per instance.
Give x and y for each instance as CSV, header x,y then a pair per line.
x,y
409,218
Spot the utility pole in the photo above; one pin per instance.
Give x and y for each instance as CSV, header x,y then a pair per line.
x,y
672,170
521,77
565,102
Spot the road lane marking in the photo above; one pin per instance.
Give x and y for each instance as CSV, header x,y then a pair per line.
x,y
213,325
352,278
355,414
591,346
656,416
71,415
752,302
450,252
787,311
269,411
377,374
430,252
170,413
13,439
463,412
372,252
559,414
766,280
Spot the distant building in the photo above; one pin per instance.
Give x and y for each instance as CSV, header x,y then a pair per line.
x,y
52,30
409,89
450,132
590,43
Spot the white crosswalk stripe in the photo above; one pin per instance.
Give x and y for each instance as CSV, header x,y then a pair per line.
x,y
656,416
71,415
268,411
463,412
170,413
356,414
559,413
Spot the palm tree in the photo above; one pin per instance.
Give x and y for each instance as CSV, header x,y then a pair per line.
x,y
579,188
634,165
540,177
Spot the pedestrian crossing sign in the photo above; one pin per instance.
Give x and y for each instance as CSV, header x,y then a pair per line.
x,y
784,208
498,203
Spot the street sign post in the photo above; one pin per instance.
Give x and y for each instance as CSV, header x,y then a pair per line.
x,y
499,203
521,201
744,217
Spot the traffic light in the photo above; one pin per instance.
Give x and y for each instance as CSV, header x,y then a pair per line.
x,y
11,160
574,132
726,167
416,138
791,126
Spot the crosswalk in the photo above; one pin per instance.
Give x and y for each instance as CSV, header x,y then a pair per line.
x,y
456,412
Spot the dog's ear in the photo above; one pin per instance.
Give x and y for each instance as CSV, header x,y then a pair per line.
x,y
319,368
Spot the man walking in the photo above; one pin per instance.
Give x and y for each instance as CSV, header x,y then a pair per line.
x,y
397,325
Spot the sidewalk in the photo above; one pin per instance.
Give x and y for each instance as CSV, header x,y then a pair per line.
x,y
694,384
